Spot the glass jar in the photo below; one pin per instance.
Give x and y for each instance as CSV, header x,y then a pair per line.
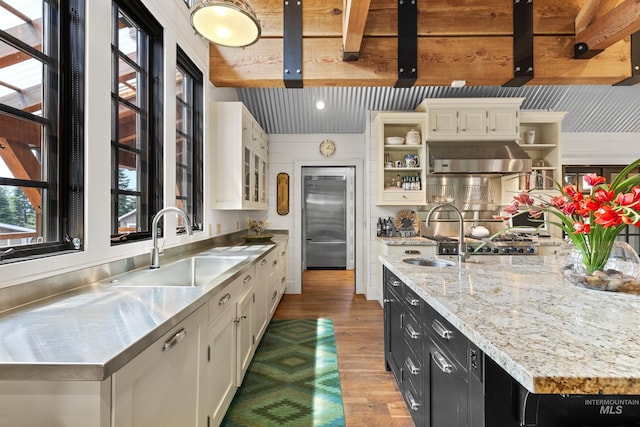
x,y
620,273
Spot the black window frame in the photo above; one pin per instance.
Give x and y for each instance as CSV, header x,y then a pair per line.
x,y
63,120
152,163
195,140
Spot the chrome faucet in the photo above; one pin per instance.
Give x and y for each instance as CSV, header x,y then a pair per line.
x,y
462,252
155,252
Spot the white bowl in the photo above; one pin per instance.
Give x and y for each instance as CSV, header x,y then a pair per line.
x,y
394,140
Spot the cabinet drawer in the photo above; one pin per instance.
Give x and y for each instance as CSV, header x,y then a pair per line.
x,y
230,293
414,369
392,282
415,402
222,300
422,251
413,302
446,337
413,334
403,196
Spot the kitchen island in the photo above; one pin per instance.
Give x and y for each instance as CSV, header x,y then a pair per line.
x,y
551,338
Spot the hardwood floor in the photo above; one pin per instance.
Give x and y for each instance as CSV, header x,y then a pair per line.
x,y
369,392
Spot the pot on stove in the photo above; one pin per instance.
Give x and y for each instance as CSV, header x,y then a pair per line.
x,y
479,231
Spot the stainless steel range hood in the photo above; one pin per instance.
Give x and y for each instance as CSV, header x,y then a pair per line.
x,y
477,157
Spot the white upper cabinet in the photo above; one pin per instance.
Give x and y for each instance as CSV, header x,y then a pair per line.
x,y
458,119
239,147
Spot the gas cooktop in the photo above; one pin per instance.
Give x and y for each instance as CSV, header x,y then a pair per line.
x,y
506,244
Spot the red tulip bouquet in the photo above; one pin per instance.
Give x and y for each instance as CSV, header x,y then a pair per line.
x,y
591,221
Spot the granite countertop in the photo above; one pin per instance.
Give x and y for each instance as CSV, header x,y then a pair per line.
x,y
406,241
92,331
423,241
550,336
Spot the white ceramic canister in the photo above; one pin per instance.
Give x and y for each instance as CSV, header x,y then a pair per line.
x,y
413,137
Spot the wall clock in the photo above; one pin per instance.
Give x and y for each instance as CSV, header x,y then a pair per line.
x,y
327,148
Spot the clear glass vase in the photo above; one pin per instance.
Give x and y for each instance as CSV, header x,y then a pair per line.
x,y
620,273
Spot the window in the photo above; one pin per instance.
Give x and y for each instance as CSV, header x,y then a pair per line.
x,y
136,140
189,100
41,131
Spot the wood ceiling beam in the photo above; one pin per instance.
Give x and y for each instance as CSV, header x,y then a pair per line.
x,y
23,165
618,23
593,9
353,24
468,40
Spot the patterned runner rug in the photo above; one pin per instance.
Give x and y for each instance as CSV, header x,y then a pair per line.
x,y
293,379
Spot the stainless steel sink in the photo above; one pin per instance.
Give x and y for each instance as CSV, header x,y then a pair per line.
x,y
429,262
194,271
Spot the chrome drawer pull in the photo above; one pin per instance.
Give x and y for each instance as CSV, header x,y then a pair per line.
x,y
441,330
412,301
442,362
274,263
412,332
275,294
247,279
395,283
414,405
225,299
174,339
413,369
263,262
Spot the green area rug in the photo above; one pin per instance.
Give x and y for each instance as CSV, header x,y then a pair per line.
x,y
293,379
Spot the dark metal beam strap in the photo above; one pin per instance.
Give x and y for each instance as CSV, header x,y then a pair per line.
x,y
407,43
635,62
522,43
292,61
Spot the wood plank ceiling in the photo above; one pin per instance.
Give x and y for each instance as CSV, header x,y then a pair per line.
x,y
471,40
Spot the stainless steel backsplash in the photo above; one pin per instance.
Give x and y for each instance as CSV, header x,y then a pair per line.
x,y
478,197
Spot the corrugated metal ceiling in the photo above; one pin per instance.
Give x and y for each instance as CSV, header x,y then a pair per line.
x,y
292,111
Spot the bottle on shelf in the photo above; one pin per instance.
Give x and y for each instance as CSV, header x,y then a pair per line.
x,y
388,227
379,227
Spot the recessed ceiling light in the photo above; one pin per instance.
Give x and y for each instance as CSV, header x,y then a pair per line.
x,y
320,105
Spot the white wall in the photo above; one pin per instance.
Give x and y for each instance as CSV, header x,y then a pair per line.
x,y
174,17
288,154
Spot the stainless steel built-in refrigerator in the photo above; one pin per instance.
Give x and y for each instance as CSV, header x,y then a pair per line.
x,y
325,218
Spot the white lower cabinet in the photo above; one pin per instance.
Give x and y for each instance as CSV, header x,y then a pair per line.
x,y
25,403
277,278
159,386
219,382
244,338
229,347
261,290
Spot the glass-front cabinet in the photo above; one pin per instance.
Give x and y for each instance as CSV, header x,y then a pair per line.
x,y
401,158
240,155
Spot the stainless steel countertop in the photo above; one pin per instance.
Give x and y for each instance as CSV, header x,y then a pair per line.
x,y
92,331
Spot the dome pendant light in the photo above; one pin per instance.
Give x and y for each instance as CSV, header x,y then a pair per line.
x,y
231,23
